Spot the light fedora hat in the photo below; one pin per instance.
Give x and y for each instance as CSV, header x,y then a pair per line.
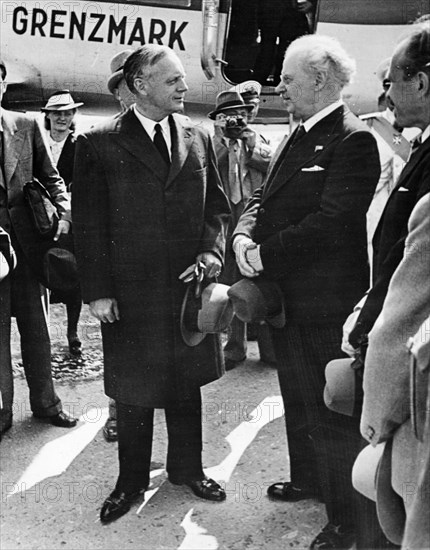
x,y
390,506
229,99
116,68
365,468
371,476
211,313
258,300
61,101
340,391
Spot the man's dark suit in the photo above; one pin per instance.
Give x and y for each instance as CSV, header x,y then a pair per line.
x,y
310,220
390,235
138,225
26,156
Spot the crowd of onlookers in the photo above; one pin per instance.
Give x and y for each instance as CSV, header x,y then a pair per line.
x,y
330,231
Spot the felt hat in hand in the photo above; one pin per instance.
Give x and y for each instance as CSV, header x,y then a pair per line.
x,y
59,265
258,300
209,313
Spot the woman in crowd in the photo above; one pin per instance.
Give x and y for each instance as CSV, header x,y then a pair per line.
x,y
60,112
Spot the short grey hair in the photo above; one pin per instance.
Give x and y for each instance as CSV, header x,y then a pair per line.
x,y
138,63
324,54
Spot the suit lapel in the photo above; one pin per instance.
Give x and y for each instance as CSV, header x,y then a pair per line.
x,y
13,142
182,139
289,161
404,180
130,134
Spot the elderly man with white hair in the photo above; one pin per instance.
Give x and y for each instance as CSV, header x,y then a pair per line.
x,y
306,230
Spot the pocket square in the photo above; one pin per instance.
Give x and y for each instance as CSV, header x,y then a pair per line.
x,y
314,168
403,189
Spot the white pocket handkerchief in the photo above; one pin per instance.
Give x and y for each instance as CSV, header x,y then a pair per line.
x,y
403,189
314,168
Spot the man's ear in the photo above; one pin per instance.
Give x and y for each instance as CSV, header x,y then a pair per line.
x,y
320,80
140,85
423,82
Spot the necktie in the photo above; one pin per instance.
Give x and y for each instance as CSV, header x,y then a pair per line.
x,y
233,172
298,133
415,145
160,143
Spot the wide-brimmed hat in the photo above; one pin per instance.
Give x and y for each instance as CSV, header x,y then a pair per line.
x,y
258,300
116,68
229,99
389,504
371,476
249,90
210,313
61,101
60,266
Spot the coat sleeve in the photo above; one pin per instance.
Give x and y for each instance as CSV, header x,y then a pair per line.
x,y
45,171
407,305
90,210
348,189
217,210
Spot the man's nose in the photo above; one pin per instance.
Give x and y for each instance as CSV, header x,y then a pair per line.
x,y
183,85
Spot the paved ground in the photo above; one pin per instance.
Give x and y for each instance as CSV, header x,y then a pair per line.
x,y
54,481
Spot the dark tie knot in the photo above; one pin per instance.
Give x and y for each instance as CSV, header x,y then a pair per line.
x,y
297,134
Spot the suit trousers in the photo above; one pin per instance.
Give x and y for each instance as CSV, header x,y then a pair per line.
x,y
303,353
135,434
6,377
29,306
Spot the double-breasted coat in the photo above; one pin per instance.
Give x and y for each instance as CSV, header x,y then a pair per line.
x,y
309,218
138,225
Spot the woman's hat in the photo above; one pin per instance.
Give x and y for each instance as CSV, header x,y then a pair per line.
x,y
229,99
61,101
258,300
210,313
116,68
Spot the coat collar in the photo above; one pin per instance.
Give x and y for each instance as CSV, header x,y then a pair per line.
x,y
130,134
286,163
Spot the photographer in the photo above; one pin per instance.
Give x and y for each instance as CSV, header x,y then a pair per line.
x,y
243,157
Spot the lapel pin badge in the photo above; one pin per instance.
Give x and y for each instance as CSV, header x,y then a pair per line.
x,y
318,148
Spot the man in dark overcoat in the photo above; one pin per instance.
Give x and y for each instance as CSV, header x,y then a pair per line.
x,y
147,204
24,156
306,229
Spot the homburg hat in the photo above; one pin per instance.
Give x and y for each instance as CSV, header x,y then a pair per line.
x,y
258,300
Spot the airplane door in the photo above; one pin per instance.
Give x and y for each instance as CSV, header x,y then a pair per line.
x,y
211,23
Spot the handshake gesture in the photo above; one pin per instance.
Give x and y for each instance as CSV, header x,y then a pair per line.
x,y
247,256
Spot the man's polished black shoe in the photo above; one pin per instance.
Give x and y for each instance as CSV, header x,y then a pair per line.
x,y
231,364
204,488
117,504
286,491
333,536
61,420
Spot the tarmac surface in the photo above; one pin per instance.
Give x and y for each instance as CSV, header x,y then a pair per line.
x,y
54,481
